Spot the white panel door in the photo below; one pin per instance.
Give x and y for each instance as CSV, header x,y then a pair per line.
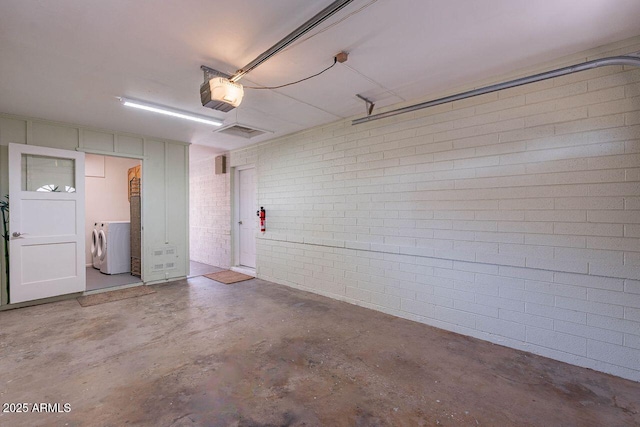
x,y
46,228
247,224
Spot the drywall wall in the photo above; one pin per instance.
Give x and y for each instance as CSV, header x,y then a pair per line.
x,y
165,190
106,187
209,209
511,217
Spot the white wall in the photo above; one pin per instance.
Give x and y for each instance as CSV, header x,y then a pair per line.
x,y
512,217
165,189
209,209
106,192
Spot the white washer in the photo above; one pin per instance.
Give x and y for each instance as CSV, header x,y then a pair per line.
x,y
95,244
114,249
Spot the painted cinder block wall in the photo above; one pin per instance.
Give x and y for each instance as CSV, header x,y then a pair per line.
x,y
209,209
513,217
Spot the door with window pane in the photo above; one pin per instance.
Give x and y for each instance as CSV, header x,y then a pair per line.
x,y
46,199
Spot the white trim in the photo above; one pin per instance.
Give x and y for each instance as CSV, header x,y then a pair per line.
x,y
166,195
111,153
143,216
244,270
161,281
40,301
30,120
235,229
187,168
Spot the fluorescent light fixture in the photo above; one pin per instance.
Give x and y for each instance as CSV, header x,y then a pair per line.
x,y
170,112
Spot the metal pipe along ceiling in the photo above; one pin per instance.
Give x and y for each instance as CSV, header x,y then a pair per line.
x,y
320,17
633,61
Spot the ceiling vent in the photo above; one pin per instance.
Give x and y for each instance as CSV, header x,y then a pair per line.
x,y
242,130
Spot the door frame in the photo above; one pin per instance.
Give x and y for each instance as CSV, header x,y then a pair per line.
x,y
235,217
142,159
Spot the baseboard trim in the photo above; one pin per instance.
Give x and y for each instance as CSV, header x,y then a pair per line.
x,y
244,270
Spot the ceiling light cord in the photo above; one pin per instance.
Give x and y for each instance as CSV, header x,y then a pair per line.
x,y
335,61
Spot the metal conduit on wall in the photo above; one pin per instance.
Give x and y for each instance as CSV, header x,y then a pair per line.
x,y
633,61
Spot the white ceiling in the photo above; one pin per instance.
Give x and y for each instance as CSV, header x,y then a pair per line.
x,y
68,60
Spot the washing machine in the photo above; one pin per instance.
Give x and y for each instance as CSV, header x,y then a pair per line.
x,y
94,245
114,247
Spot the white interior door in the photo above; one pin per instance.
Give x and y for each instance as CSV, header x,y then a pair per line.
x,y
46,197
247,219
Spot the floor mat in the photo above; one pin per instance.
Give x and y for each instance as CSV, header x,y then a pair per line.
x,y
228,277
104,297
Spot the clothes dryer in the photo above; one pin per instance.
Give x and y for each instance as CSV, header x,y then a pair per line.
x,y
94,245
115,248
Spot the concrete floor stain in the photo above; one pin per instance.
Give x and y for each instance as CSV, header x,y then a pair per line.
x,y
256,354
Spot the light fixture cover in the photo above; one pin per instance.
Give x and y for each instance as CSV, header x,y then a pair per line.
x,y
221,94
168,111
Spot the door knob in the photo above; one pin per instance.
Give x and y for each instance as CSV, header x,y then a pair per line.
x,y
240,222
16,234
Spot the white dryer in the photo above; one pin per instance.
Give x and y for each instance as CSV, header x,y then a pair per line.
x,y
114,250
95,244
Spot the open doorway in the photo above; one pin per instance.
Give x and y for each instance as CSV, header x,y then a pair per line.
x,y
209,211
112,221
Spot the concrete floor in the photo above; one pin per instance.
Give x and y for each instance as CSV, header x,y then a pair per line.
x,y
97,280
253,353
199,269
